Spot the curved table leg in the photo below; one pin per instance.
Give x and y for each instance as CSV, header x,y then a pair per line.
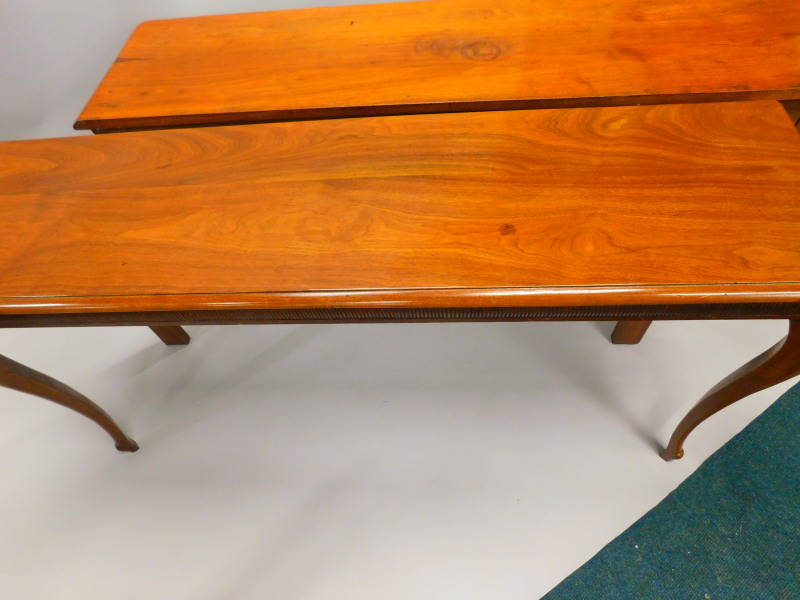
x,y
18,377
779,363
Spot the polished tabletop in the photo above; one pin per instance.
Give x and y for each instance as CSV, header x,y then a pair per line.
x,y
595,206
448,55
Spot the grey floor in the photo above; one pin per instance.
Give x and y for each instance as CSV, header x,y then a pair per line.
x,y
463,461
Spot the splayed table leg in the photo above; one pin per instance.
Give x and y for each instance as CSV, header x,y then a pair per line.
x,y
779,363
18,377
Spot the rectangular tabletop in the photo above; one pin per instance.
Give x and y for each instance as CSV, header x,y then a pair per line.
x,y
596,206
448,55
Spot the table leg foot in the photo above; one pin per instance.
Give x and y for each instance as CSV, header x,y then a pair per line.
x,y
779,363
127,445
171,335
669,454
16,376
629,332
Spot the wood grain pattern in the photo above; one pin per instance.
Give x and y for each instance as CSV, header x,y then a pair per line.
x,y
448,55
648,205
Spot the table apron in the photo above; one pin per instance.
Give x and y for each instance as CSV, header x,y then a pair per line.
x,y
779,310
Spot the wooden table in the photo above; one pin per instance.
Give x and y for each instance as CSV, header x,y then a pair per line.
x,y
462,56
668,212
447,55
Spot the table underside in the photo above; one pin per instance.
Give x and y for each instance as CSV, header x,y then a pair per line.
x,y
777,364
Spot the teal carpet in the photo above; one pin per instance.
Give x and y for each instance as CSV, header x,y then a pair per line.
x,y
730,531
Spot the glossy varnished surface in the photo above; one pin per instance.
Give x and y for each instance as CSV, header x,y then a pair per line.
x,y
448,55
605,206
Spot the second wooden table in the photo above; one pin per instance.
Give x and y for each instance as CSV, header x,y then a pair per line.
x,y
447,56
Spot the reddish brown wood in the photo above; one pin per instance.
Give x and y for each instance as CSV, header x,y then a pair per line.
x,y
635,213
779,363
18,377
637,205
448,55
629,332
456,298
793,108
171,335
405,314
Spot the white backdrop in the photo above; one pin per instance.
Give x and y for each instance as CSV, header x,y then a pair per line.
x,y
446,461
